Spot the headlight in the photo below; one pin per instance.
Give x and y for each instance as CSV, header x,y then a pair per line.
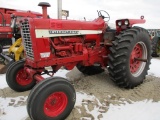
x,y
126,22
119,23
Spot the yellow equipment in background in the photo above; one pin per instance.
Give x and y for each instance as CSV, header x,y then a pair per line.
x,y
16,50
15,53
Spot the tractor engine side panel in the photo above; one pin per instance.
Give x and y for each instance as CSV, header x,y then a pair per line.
x,y
65,50
40,51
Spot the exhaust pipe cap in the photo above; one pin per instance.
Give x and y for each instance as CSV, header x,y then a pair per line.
x,y
46,4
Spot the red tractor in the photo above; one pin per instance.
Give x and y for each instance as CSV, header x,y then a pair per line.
x,y
8,24
91,46
10,32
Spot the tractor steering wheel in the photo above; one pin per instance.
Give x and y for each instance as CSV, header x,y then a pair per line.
x,y
101,15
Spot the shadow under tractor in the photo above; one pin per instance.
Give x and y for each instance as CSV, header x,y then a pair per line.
x,y
91,46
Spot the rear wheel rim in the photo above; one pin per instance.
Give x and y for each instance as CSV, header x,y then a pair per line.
x,y
139,51
55,104
22,78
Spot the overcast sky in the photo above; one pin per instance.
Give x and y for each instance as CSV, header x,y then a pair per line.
x,y
78,9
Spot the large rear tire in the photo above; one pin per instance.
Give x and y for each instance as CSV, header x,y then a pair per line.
x,y
90,70
17,79
125,67
51,99
155,46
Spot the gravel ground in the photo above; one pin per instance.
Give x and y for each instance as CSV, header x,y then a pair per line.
x,y
108,93
104,90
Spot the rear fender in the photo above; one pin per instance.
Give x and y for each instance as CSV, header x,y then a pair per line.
x,y
123,24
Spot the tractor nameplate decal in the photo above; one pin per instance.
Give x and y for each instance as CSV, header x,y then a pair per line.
x,y
63,32
45,55
41,33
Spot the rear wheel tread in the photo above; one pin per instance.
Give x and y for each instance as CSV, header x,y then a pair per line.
x,y
118,60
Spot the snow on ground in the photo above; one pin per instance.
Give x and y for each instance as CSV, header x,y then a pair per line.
x,y
142,110
15,109
155,68
3,83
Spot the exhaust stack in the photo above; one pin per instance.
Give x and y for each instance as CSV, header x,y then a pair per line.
x,y
44,8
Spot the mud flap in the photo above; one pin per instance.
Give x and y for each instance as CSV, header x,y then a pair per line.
x,y
7,62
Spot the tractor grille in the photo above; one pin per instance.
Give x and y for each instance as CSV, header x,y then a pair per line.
x,y
25,30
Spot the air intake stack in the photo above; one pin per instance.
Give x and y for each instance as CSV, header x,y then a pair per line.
x,y
44,8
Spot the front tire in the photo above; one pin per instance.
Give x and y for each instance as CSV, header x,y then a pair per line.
x,y
51,99
17,79
126,67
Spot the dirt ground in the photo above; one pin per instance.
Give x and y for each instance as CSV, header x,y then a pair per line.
x,y
102,88
108,93
2,69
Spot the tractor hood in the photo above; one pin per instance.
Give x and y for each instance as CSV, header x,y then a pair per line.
x,y
55,28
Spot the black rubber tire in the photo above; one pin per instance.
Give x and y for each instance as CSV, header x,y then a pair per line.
x,y
11,77
42,90
155,44
33,91
119,57
89,70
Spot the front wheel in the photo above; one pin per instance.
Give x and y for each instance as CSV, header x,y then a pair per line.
x,y
51,99
130,57
17,78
